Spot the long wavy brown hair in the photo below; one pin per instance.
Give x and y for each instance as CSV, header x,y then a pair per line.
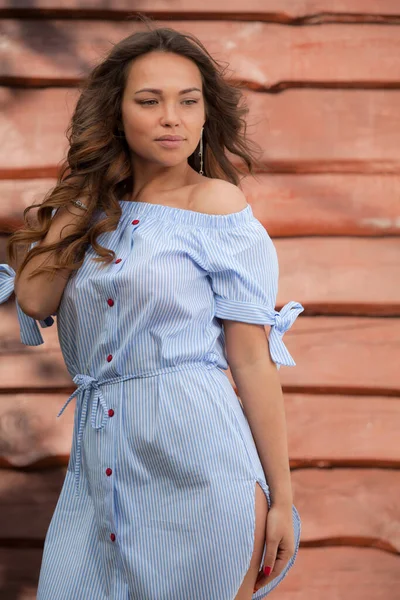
x,y
97,168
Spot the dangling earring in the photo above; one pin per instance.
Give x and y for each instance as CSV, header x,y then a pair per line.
x,y
201,152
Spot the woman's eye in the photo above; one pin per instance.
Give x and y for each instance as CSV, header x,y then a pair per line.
x,y
148,102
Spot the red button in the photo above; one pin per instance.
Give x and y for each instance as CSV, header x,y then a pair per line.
x,y
118,260
110,302
108,472
110,412
135,222
112,536
109,358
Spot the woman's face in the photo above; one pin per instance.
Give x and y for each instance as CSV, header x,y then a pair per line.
x,y
163,108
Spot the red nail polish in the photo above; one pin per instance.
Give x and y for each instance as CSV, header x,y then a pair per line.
x,y
267,571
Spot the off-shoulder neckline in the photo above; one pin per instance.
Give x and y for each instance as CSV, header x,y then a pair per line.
x,y
185,216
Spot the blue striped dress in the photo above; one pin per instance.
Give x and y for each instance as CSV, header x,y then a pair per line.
x,y
158,498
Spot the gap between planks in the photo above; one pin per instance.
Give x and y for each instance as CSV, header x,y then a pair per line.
x,y
273,167
279,18
276,88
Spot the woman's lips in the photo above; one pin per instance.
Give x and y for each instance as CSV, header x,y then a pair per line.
x,y
170,143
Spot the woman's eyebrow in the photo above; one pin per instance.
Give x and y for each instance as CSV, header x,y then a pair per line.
x,y
156,91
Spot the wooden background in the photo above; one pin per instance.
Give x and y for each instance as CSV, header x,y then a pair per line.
x,y
323,86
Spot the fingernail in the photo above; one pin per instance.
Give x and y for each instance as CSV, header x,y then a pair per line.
x,y
267,571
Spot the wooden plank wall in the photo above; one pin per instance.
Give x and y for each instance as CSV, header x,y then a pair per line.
x,y
323,85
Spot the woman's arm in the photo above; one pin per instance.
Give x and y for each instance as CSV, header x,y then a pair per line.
x,y
39,297
258,385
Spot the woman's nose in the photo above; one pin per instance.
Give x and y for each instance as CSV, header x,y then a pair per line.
x,y
170,115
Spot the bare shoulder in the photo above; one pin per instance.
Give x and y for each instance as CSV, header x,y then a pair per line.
x,y
217,197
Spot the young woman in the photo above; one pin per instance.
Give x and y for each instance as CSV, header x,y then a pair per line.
x,y
161,277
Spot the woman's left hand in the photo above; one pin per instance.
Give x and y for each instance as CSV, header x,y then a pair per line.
x,y
279,541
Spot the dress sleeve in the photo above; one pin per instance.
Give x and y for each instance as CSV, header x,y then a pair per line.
x,y
29,331
243,268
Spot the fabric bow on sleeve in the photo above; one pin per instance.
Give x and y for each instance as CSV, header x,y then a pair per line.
x,y
29,330
280,322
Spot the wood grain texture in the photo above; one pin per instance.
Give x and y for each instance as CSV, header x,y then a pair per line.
x,y
32,435
321,205
325,124
336,511
288,8
325,572
20,573
333,354
333,510
330,573
345,276
332,159
346,354
287,205
29,500
341,275
62,52
301,125
327,430
30,429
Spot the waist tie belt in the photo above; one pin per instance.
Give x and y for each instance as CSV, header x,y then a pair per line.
x,y
88,385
